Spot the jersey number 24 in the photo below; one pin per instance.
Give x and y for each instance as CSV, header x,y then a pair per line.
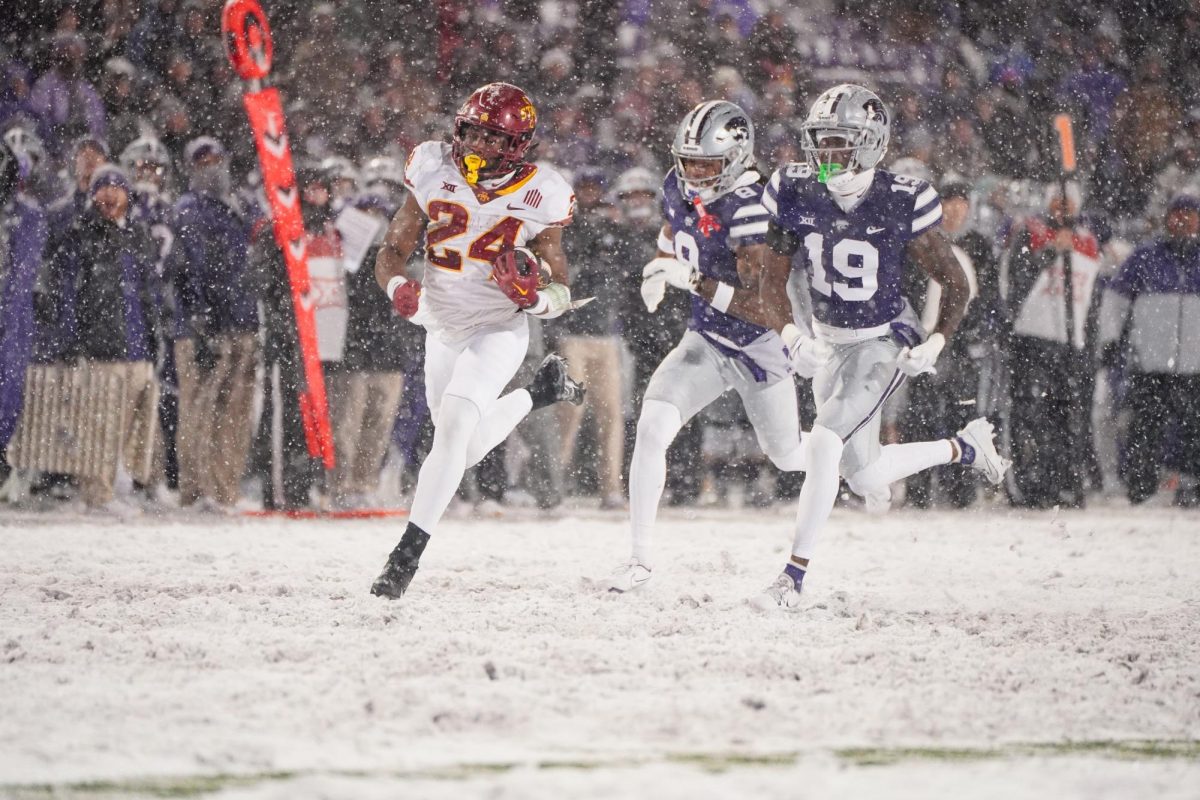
x,y
449,220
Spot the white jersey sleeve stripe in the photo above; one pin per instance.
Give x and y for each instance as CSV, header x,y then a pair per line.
x,y
924,221
753,210
924,198
749,229
768,202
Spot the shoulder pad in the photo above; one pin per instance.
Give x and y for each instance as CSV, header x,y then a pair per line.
x,y
797,169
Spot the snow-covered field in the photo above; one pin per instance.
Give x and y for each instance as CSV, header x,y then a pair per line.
x,y
986,654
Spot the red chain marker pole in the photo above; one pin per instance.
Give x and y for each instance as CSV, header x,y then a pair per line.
x,y
248,45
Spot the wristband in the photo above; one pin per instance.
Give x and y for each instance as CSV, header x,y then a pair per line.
x,y
722,297
540,307
394,283
664,243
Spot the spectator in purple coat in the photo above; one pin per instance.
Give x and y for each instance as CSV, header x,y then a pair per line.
x,y
22,241
216,344
66,104
1151,308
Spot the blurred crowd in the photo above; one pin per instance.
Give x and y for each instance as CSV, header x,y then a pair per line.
x,y
136,262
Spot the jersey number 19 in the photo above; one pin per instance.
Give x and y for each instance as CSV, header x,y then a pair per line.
x,y
853,259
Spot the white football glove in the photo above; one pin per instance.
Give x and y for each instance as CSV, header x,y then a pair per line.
x,y
672,272
916,360
553,301
654,289
805,354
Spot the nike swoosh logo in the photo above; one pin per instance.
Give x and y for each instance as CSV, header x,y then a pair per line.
x,y
511,207
874,230
522,292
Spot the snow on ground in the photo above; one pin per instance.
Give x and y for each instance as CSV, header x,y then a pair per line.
x,y
157,653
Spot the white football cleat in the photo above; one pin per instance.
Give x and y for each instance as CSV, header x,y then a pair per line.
x,y
979,434
782,594
629,576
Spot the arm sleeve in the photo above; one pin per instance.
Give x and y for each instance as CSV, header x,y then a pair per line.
x,y
927,209
421,161
749,223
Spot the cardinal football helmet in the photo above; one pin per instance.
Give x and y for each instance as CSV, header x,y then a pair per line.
x,y
501,108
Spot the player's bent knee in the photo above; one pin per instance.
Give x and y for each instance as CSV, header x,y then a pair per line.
x,y
786,459
458,418
823,448
658,424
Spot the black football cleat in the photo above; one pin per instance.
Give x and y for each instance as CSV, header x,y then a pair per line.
x,y
552,384
401,564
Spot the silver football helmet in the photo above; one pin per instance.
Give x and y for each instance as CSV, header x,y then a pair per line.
x,y
147,161
145,149
25,143
716,131
340,168
848,126
383,169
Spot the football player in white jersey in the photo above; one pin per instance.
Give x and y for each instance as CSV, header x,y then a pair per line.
x,y
492,224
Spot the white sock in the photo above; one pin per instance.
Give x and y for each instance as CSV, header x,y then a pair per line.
x,y
443,469
657,427
823,453
501,417
898,461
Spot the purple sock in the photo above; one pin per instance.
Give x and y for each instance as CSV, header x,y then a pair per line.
x,y
966,452
796,573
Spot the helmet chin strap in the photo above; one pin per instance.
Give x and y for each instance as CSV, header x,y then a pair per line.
x,y
848,188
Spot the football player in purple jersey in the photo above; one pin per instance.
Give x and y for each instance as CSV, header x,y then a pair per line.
x,y
713,240
855,228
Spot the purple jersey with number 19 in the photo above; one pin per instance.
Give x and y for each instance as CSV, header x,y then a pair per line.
x,y
855,260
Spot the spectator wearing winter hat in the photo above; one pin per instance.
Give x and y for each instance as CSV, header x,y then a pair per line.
x,y
365,390
589,336
943,402
216,325
87,155
1055,257
96,304
650,336
1151,309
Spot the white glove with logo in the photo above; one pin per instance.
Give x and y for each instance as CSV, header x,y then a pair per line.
x,y
805,353
916,360
660,273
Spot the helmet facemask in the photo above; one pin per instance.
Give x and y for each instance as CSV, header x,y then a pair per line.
x,y
834,151
709,177
490,154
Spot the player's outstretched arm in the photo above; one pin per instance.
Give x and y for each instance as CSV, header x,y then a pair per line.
x,y
402,237
932,254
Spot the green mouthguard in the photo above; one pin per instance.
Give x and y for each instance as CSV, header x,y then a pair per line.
x,y
827,171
